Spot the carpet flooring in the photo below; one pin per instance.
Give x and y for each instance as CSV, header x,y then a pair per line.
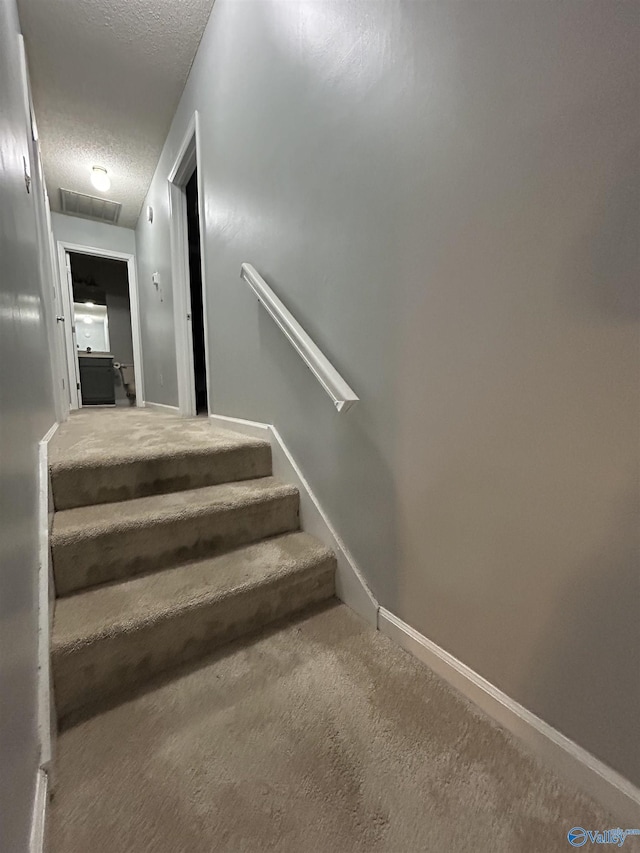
x,y
170,539
100,456
317,735
94,434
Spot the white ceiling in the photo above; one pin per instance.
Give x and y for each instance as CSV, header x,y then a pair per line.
x,y
107,76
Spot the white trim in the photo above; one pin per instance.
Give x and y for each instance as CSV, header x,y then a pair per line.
x,y
46,718
46,595
73,376
136,328
351,587
187,159
610,789
64,392
134,308
254,429
181,300
341,393
39,815
202,228
162,407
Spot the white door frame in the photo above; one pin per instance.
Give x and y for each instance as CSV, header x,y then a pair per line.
x,y
67,300
187,159
60,331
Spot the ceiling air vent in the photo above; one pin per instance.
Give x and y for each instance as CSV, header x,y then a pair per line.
x,y
78,204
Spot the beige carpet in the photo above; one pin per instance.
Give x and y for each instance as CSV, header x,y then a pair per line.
x,y
95,433
319,735
101,455
166,545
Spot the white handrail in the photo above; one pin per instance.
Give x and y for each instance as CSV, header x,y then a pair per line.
x,y
342,395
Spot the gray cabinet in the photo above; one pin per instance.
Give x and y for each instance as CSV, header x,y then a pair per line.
x,y
97,384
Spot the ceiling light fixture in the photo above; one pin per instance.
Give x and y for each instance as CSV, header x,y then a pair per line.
x,y
100,179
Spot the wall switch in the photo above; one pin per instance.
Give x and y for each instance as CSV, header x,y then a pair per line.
x,y
155,278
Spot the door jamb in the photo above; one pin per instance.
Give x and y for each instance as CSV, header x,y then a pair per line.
x,y
187,159
134,306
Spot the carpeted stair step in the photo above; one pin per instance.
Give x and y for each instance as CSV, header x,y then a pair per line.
x,y
96,544
120,635
174,461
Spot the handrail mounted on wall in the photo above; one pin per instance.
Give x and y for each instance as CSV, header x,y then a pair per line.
x,y
341,393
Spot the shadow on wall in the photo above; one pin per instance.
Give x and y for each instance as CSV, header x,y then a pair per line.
x,y
591,653
607,271
590,656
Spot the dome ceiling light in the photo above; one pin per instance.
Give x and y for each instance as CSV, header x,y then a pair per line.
x,y
100,179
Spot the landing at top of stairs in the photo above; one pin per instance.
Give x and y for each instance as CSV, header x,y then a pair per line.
x,y
101,457
91,436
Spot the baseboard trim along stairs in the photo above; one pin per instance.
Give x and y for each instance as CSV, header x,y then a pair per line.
x,y
550,746
37,840
46,596
46,712
351,587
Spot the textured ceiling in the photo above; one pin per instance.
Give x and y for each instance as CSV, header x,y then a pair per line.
x,y
107,76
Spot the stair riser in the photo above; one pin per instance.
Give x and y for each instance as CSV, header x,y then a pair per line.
x,y
86,676
74,487
84,561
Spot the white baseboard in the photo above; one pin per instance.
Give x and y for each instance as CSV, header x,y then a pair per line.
x,y
46,597
254,429
610,789
351,587
161,407
39,815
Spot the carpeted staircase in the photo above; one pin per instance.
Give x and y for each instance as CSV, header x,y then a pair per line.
x,y
316,734
164,548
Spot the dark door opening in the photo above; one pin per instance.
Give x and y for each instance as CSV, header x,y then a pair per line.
x,y
102,326
195,284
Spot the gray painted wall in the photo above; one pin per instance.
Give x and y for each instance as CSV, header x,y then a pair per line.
x,y
156,304
443,194
99,235
112,277
26,414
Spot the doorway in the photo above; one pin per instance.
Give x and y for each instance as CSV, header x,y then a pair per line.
x,y
188,274
102,322
102,331
195,288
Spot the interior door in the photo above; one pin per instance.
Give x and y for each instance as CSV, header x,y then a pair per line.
x,y
60,334
72,342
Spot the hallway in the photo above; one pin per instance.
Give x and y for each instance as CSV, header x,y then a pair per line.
x,y
316,734
319,528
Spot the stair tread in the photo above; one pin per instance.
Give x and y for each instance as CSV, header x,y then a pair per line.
x,y
177,438
122,607
135,512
